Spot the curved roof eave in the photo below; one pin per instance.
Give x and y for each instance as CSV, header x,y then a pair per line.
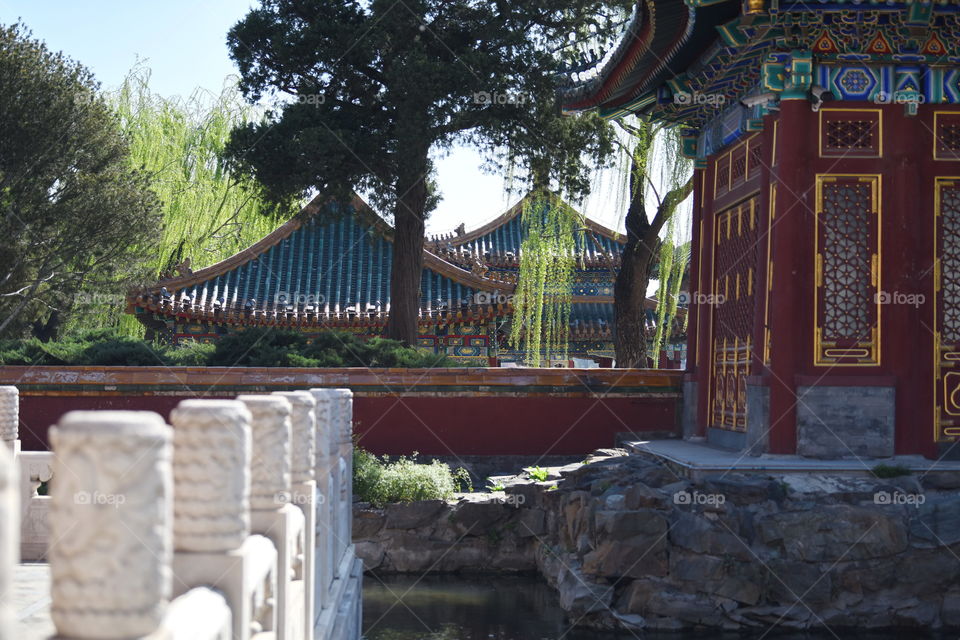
x,y
361,209
672,37
510,214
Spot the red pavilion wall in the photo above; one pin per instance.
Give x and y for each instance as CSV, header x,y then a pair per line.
x,y
396,411
791,158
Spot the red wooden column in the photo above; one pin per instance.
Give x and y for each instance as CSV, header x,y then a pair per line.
x,y
792,249
693,310
704,335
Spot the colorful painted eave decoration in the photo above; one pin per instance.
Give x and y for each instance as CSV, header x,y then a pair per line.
x,y
806,37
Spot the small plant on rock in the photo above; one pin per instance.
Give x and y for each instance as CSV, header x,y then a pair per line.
x,y
890,471
537,473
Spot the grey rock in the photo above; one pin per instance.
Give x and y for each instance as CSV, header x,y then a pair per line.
x,y
371,552
619,525
834,532
703,536
367,523
413,515
530,523
634,557
950,609
742,489
941,480
580,595
476,517
936,522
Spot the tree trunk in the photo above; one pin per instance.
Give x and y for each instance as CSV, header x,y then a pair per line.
x,y
407,265
630,293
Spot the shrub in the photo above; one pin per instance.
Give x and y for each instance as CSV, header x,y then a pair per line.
x,y
380,481
890,471
256,347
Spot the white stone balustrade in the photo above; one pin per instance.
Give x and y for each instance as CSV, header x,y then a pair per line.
x,y
303,421
271,513
211,529
9,543
342,574
198,532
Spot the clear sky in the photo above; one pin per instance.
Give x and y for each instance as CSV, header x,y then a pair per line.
x,y
183,42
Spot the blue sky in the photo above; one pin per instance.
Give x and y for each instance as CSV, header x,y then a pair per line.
x,y
183,42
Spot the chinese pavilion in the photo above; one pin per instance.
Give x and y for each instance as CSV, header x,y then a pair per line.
x,y
826,236
329,268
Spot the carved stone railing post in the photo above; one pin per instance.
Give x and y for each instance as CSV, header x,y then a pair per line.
x,y
110,519
212,541
9,540
304,488
339,568
10,417
324,539
271,513
211,475
343,444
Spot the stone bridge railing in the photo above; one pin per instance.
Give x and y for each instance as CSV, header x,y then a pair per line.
x,y
234,523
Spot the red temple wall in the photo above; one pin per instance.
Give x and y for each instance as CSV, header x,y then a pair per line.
x,y
435,412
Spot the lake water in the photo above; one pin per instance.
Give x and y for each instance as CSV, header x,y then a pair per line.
x,y
515,608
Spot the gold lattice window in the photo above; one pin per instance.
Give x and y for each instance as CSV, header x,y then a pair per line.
x,y
756,158
850,133
847,270
723,175
739,169
734,289
947,142
947,310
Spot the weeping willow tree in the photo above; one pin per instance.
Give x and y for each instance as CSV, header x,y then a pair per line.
x,y
548,259
208,212
656,165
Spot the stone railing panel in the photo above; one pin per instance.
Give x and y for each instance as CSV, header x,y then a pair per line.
x,y
36,467
9,416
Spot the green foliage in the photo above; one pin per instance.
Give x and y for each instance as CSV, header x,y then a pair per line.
x,y
74,210
495,487
380,481
264,347
209,213
462,480
541,319
371,94
254,347
890,471
537,473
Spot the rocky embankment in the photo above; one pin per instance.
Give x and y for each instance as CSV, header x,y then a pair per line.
x,y
627,543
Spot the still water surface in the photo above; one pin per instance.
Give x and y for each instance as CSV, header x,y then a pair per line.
x,y
508,608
